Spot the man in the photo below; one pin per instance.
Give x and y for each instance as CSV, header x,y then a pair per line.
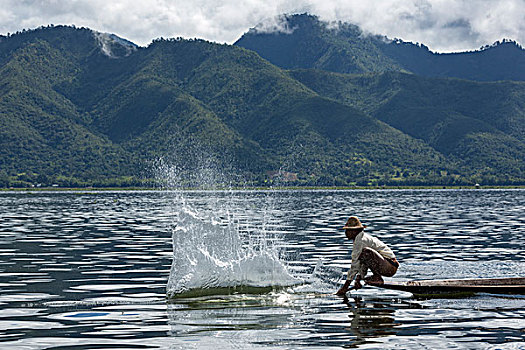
x,y
367,253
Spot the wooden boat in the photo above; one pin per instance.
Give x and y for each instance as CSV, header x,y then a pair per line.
x,y
513,285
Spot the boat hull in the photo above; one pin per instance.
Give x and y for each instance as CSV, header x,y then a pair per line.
x,y
515,285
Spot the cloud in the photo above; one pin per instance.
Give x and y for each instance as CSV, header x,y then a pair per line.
x,y
443,25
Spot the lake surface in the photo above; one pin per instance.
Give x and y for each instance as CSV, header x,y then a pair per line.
x,y
91,270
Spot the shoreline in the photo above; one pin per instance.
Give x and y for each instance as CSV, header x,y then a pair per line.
x,y
255,188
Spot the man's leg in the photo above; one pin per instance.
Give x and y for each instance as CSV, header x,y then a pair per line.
x,y
377,264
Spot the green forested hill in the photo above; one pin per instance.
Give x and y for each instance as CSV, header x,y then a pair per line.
x,y
480,126
43,135
306,42
79,107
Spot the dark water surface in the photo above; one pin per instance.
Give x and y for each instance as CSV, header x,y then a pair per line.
x,y
89,271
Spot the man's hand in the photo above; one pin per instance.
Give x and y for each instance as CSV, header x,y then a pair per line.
x,y
344,288
357,284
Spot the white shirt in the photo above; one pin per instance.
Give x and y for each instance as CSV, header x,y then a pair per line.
x,y
361,241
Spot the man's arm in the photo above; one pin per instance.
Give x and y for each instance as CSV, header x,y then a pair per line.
x,y
346,287
357,248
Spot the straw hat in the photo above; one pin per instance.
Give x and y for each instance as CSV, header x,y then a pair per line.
x,y
353,223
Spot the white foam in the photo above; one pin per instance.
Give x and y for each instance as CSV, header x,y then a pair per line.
x,y
218,249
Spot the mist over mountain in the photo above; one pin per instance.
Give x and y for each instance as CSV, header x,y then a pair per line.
x,y
303,41
78,107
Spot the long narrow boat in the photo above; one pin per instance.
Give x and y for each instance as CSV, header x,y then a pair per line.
x,y
513,285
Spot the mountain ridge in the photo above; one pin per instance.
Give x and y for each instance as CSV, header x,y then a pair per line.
x,y
72,114
343,48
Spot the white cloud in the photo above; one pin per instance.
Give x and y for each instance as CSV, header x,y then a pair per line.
x,y
443,25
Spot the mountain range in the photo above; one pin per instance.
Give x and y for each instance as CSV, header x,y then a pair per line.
x,y
313,104
305,42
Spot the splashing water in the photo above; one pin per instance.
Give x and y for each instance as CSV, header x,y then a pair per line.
x,y
216,249
208,254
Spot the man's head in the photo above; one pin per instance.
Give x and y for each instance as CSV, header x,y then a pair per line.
x,y
353,227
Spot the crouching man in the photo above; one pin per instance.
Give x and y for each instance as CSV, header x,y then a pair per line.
x,y
367,253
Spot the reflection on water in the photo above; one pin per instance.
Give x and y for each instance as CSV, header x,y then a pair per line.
x,y
372,320
90,270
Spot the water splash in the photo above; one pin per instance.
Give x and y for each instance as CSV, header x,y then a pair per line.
x,y
217,249
323,279
221,252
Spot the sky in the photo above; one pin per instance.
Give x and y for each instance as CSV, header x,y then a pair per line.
x,y
442,25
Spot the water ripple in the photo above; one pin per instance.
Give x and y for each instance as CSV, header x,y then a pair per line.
x,y
89,270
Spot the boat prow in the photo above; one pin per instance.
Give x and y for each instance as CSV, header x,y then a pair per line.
x,y
513,285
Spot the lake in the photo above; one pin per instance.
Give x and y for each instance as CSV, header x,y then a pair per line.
x,y
253,269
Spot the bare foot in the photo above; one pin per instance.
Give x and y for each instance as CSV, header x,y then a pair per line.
x,y
375,279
